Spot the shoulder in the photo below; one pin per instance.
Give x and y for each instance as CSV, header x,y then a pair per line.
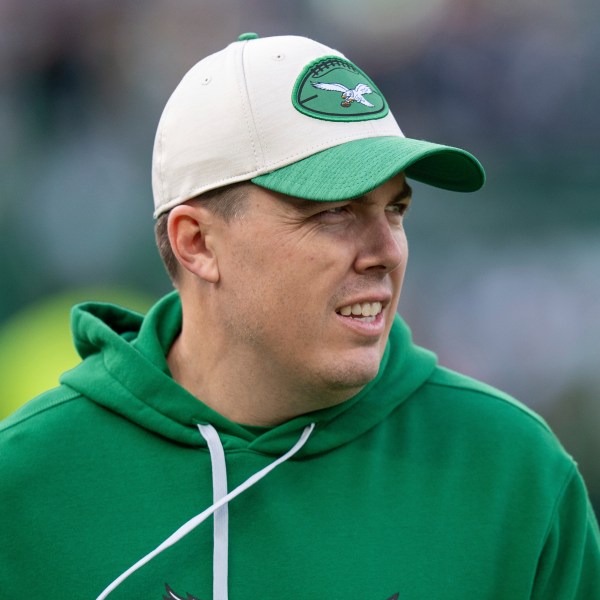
x,y
479,399
31,412
51,425
489,425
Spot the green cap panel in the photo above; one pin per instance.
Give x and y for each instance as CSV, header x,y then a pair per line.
x,y
355,168
334,89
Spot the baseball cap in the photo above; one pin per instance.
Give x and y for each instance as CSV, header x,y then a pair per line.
x,y
293,116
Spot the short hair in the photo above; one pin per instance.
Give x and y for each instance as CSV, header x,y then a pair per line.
x,y
227,202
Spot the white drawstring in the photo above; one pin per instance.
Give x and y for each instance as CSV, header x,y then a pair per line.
x,y
221,516
198,519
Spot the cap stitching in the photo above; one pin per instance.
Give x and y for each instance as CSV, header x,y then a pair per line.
x,y
247,107
161,153
162,166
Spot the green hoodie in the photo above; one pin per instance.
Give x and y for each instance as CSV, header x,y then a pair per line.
x,y
426,485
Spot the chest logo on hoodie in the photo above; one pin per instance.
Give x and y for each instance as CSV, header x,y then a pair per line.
x,y
171,595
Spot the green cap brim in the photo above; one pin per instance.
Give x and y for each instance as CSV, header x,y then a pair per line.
x,y
355,168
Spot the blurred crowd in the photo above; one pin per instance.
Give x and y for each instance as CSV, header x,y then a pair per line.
x,y
504,285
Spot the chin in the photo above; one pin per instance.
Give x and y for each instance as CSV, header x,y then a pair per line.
x,y
352,376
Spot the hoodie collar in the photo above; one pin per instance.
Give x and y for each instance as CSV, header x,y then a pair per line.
x,y
125,370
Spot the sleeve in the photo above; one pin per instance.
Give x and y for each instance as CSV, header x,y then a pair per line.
x,y
569,564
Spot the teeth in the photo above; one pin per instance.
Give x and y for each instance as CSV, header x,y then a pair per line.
x,y
366,309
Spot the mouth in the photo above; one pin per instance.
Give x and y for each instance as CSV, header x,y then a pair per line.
x,y
364,312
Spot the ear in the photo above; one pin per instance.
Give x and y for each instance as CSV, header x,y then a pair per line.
x,y
190,228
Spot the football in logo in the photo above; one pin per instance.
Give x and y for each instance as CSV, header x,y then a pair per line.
x,y
334,89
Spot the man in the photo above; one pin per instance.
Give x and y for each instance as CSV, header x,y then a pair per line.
x,y
269,430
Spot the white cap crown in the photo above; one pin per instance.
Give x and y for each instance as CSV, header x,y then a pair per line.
x,y
232,118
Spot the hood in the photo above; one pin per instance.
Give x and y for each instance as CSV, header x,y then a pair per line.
x,y
124,369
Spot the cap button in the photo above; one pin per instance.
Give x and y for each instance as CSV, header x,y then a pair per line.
x,y
248,36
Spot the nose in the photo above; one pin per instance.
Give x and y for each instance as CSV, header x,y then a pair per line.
x,y
381,246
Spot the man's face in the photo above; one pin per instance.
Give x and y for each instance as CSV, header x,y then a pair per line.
x,y
308,290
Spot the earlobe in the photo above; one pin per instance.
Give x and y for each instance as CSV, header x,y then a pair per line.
x,y
189,230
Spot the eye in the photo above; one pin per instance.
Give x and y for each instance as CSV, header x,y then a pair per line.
x,y
398,208
336,210
334,213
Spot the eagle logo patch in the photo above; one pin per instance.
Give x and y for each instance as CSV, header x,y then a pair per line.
x,y
334,89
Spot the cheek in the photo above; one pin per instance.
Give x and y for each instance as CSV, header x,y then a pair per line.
x,y
275,273
257,274
247,261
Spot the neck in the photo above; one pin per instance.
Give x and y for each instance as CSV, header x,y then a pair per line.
x,y
239,386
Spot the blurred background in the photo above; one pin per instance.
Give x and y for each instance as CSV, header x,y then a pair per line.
x,y
503,284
